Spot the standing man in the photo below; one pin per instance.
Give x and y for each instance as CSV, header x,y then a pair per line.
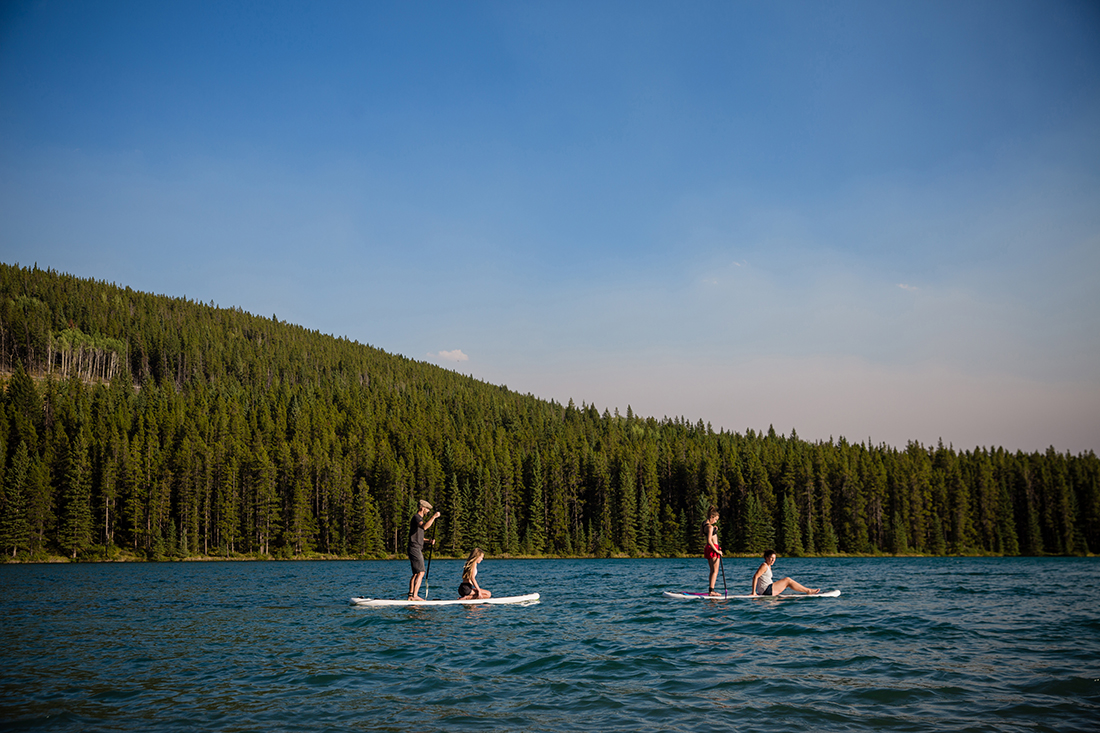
x,y
417,525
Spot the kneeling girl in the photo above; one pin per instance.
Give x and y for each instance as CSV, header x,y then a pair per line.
x,y
468,588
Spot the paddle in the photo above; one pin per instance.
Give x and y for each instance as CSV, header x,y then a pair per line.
x,y
429,568
725,591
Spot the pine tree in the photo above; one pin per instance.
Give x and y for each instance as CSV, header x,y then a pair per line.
x,y
14,531
671,533
650,495
25,408
510,543
75,531
687,533
535,533
601,536
301,525
828,544
135,487
758,534
479,531
939,542
792,533
1029,511
645,522
961,523
171,545
808,535
367,523
899,538
494,512
227,505
265,498
456,515
628,534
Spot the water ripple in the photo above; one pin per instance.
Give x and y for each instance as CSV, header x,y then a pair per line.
x,y
274,646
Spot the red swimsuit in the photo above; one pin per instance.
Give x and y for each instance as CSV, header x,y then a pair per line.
x,y
708,551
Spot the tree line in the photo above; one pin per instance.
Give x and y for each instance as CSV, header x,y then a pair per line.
x,y
199,430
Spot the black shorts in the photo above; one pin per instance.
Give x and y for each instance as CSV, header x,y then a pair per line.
x,y
465,589
416,559
767,591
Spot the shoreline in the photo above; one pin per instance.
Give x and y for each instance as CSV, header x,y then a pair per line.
x,y
122,558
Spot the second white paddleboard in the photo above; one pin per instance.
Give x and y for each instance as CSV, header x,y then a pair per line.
x,y
784,596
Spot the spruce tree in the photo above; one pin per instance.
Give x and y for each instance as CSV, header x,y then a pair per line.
x,y
14,529
367,524
670,533
899,537
828,544
628,533
792,533
535,532
477,522
75,530
939,542
456,515
759,533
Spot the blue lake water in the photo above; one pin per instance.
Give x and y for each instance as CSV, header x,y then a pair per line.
x,y
911,645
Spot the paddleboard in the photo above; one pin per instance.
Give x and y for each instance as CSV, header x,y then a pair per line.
x,y
494,601
784,596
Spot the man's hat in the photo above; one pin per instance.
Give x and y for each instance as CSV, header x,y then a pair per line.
x,y
425,505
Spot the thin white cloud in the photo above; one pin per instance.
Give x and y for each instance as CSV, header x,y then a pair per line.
x,y
910,288
455,356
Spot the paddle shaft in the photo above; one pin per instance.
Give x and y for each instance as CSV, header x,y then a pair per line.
x,y
429,568
725,591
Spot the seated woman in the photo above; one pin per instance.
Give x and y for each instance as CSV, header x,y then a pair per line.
x,y
469,589
762,584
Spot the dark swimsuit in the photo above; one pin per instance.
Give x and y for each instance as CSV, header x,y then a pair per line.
x,y
465,589
708,551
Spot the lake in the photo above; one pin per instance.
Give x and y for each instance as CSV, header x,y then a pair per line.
x,y
912,644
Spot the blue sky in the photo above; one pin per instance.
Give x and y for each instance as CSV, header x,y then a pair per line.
x,y
877,220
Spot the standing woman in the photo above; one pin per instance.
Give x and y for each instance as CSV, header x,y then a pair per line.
x,y
711,551
468,588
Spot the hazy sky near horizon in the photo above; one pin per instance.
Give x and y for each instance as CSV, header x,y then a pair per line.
x,y
877,220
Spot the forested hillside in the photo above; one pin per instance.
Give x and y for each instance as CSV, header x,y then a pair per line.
x,y
162,427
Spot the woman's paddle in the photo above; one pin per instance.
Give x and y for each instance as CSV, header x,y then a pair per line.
x,y
725,591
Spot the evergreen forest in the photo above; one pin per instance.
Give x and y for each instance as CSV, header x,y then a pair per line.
x,y
139,426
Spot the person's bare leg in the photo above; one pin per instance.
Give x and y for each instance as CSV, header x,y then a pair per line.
x,y
781,585
713,573
414,587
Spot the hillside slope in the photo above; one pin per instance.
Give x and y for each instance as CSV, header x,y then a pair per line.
x,y
167,427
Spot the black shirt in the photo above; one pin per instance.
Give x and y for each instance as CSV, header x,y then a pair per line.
x,y
416,533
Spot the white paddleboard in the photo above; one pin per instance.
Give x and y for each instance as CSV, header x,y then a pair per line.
x,y
784,596
494,601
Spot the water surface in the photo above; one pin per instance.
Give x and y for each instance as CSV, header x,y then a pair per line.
x,y
911,645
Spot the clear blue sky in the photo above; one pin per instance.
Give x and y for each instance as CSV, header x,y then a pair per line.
x,y
877,220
